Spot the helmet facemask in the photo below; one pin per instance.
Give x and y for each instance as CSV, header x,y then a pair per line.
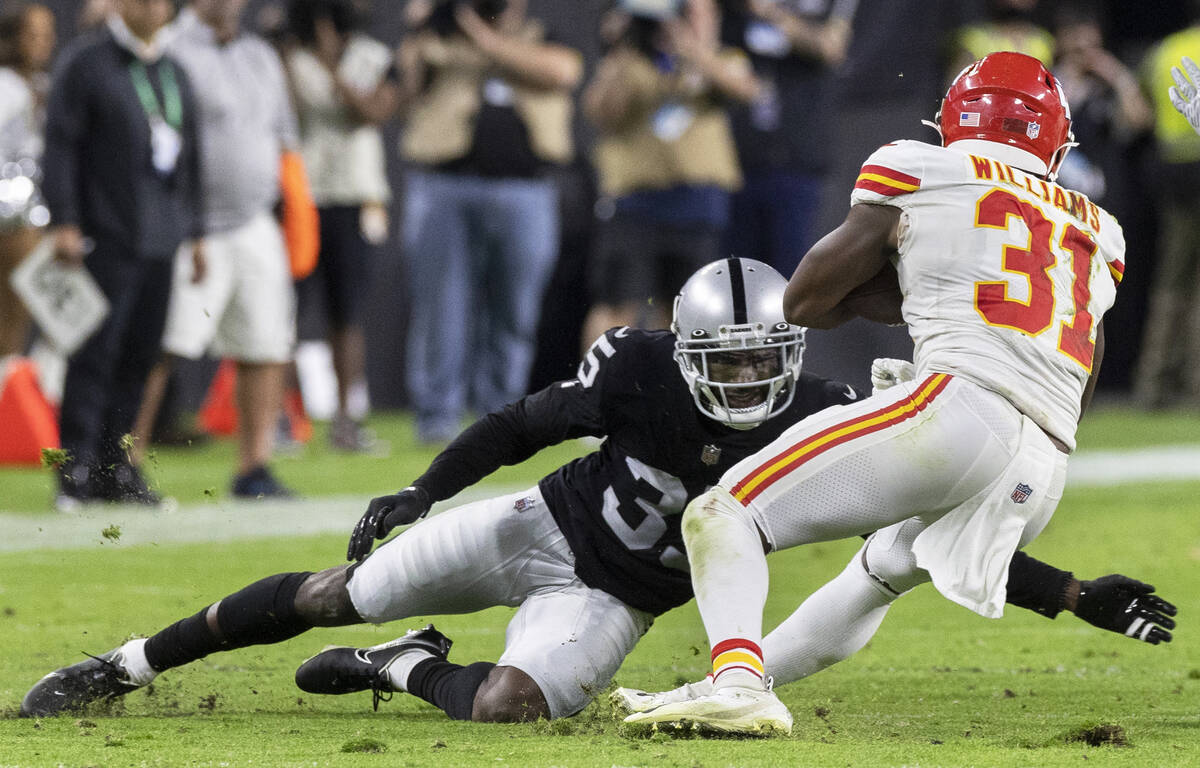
x,y
745,375
738,354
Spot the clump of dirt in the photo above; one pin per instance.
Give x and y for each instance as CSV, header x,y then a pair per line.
x,y
365,744
53,458
1102,734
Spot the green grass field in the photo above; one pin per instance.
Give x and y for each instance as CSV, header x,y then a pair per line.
x,y
938,686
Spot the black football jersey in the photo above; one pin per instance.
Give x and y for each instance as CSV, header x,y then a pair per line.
x,y
620,506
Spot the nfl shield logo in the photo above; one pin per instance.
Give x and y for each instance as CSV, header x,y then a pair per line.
x,y
1021,493
710,455
520,505
1032,130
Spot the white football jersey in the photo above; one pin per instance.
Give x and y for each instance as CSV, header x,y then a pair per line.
x,y
1005,275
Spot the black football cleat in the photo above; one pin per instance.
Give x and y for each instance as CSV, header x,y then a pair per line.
x,y
342,669
72,688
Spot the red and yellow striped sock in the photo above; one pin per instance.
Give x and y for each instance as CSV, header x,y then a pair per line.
x,y
737,662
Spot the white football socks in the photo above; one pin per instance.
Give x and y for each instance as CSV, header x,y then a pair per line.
x,y
133,658
832,624
729,575
401,667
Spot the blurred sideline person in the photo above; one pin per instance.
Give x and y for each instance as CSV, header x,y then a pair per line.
x,y
1008,25
242,304
122,182
1108,110
27,40
488,110
92,14
664,155
1003,281
783,136
344,86
589,556
1168,369
1113,122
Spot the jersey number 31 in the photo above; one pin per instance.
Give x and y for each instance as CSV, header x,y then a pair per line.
x,y
1034,262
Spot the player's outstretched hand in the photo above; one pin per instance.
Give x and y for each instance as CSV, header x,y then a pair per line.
x,y
886,372
1121,604
384,513
1184,95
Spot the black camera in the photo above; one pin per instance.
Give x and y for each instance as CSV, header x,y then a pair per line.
x,y
441,20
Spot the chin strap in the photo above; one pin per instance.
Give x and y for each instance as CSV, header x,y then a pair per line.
x,y
1061,154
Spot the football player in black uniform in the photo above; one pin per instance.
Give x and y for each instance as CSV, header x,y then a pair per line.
x,y
589,556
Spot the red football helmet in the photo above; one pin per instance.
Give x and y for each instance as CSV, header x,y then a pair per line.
x,y
1011,99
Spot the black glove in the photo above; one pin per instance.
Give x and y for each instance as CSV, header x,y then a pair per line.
x,y
385,513
1121,604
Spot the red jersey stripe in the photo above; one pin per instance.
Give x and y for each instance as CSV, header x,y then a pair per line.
x,y
890,173
874,186
1116,268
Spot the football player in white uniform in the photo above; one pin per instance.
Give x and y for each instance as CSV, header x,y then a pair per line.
x,y
1004,277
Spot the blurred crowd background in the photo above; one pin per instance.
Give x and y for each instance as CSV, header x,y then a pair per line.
x,y
500,180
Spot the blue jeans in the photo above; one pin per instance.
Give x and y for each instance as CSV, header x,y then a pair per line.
x,y
479,253
773,216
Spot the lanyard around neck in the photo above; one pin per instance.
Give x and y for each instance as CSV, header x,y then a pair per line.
x,y
171,109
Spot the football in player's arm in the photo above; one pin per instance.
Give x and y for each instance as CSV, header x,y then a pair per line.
x,y
589,556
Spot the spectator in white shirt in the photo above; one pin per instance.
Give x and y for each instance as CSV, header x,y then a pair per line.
x,y
344,87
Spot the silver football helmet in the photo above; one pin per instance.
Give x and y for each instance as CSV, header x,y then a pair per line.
x,y
738,354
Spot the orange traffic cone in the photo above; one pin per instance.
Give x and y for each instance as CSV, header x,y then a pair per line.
x,y
27,421
218,415
299,424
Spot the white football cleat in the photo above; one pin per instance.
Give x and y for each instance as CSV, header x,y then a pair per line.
x,y
633,700
750,711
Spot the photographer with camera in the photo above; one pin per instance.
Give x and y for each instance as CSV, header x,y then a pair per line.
x,y
665,155
489,112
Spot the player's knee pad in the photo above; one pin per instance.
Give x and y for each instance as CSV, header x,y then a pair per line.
x,y
888,559
714,507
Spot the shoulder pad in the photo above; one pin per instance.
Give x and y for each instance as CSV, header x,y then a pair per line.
x,y
891,171
623,352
